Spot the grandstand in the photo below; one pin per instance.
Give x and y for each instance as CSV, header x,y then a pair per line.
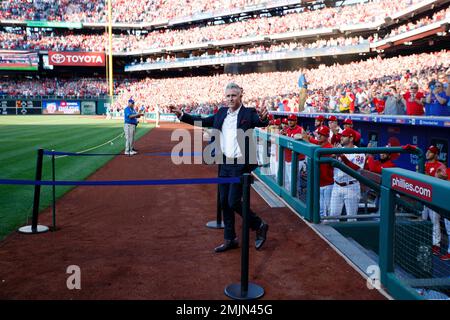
x,y
163,47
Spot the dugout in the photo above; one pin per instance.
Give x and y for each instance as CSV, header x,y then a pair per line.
x,y
410,239
402,130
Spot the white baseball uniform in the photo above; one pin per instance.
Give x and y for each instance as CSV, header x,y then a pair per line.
x,y
346,189
435,220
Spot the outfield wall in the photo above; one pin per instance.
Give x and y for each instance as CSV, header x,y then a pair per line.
x,y
23,105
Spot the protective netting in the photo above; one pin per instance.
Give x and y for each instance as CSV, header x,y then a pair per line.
x,y
421,251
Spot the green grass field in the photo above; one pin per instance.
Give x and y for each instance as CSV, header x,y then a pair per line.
x,y
22,136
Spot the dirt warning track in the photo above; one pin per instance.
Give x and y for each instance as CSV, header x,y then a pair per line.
x,y
151,242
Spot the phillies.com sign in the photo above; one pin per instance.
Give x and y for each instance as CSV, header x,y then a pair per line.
x,y
412,187
76,59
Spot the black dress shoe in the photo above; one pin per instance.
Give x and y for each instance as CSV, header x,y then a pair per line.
x,y
227,245
261,235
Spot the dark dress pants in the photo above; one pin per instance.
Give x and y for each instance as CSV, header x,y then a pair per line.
x,y
231,199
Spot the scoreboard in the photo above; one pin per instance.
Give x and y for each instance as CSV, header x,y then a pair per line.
x,y
20,107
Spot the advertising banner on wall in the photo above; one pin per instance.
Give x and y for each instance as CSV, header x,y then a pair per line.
x,y
76,59
88,107
53,24
60,107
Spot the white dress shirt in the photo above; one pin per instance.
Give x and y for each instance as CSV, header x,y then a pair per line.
x,y
228,136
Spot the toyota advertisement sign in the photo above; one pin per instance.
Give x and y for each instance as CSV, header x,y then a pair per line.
x,y
76,59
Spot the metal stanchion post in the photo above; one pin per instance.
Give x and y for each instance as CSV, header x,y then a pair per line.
x,y
218,223
245,290
35,228
54,192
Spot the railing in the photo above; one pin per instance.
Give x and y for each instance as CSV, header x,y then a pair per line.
x,y
412,265
361,179
298,181
293,184
411,260
51,97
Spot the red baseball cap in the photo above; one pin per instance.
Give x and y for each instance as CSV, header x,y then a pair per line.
x,y
284,120
434,149
278,122
320,118
324,130
270,116
332,118
348,121
292,117
348,133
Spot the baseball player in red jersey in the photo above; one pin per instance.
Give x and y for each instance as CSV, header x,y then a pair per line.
x,y
348,124
432,163
432,166
284,124
335,131
377,165
318,122
346,189
292,131
442,174
326,170
273,163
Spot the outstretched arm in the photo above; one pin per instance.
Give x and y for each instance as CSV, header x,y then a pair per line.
x,y
260,119
187,118
350,164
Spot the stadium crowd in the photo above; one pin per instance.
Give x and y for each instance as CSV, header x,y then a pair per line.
x,y
282,47
69,41
358,87
157,10
124,10
438,16
54,87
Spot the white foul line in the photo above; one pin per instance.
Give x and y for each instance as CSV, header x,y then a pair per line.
x,y
101,145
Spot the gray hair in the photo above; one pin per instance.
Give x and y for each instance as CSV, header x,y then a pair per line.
x,y
234,86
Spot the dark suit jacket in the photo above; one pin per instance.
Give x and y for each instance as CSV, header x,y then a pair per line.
x,y
247,119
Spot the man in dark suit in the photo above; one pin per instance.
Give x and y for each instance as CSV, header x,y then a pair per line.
x,y
238,158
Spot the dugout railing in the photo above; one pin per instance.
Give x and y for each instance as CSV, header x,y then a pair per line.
x,y
396,233
410,268
302,189
367,183
297,190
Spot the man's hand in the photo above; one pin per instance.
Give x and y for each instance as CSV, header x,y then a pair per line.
x,y
263,113
175,110
409,147
304,136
